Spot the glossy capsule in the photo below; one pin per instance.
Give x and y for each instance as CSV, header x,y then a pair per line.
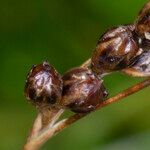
x,y
141,68
43,86
82,90
116,50
143,22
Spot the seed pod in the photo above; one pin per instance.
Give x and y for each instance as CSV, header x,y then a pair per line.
x,y
82,90
43,86
143,22
141,68
116,50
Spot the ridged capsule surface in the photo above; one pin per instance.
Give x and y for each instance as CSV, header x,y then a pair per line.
x,y
82,90
143,22
116,49
43,85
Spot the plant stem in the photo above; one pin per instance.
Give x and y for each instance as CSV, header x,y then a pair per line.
x,y
49,131
39,125
61,125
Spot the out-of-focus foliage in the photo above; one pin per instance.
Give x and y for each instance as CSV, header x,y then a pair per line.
x,y
65,32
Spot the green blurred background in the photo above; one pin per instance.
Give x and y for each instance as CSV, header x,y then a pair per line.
x,y
65,32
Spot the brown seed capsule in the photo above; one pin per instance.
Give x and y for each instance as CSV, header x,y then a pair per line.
x,y
116,49
43,86
141,68
82,90
143,22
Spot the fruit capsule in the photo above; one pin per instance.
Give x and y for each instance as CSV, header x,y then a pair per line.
x,y
82,90
43,86
143,22
116,50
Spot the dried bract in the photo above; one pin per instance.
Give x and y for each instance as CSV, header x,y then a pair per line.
x,y
141,67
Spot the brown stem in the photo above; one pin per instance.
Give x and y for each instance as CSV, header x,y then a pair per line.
x,y
45,119
60,126
49,116
37,125
49,132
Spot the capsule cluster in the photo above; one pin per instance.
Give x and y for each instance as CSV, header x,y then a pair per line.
x,y
79,89
124,48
